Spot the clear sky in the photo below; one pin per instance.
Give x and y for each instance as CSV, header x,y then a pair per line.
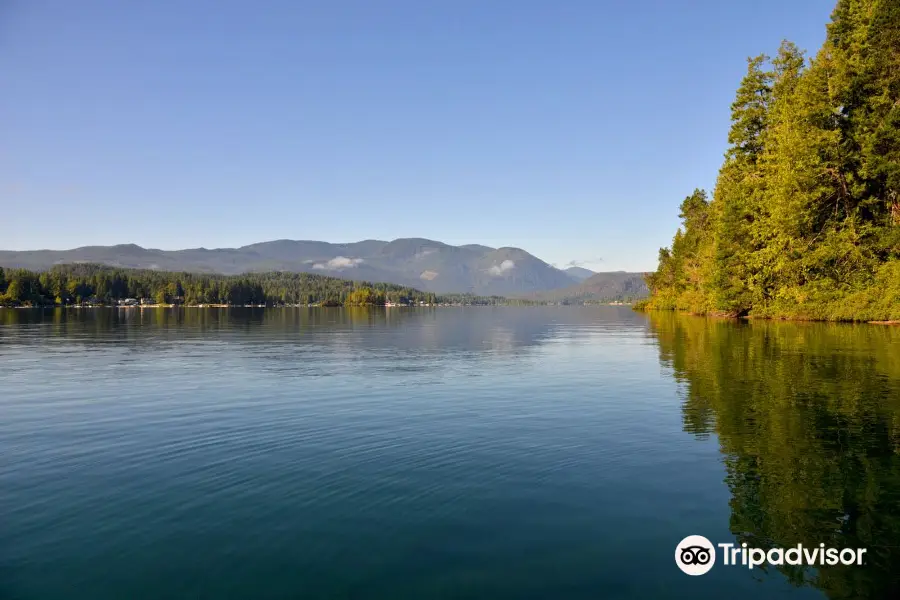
x,y
569,128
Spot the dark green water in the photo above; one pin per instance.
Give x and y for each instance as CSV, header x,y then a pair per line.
x,y
452,453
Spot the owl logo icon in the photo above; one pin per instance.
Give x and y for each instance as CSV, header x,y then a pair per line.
x,y
695,555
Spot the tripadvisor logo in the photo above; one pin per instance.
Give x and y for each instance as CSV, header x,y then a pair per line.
x,y
696,555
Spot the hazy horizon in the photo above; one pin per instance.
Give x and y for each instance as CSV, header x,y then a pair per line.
x,y
567,265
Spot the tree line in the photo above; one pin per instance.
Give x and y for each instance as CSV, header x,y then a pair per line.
x,y
804,221
77,284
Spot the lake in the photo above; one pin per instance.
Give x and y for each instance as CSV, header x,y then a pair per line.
x,y
473,452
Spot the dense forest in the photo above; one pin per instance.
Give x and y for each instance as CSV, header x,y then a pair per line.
x,y
804,221
97,284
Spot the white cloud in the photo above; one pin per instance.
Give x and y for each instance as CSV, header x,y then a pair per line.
x,y
337,263
589,263
502,268
583,263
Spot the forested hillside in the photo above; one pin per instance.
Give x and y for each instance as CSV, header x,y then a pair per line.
x,y
417,263
599,287
805,218
77,284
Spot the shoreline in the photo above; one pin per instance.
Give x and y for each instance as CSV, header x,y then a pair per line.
x,y
155,306
146,306
728,317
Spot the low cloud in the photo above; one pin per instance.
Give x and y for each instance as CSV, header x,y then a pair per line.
x,y
337,263
502,268
581,263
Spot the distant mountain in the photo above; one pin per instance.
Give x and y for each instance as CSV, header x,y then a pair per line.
x,y
421,263
578,273
618,285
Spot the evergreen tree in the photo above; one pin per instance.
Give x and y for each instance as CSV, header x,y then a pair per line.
x,y
805,217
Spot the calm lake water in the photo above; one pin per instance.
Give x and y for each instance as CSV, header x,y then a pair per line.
x,y
439,453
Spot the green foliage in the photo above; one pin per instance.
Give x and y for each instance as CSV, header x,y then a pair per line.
x,y
365,297
805,218
22,287
749,112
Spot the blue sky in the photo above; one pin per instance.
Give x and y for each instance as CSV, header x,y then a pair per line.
x,y
569,128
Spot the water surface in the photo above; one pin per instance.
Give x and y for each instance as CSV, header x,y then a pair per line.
x,y
438,453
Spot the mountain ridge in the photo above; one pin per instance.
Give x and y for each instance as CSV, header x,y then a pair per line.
x,y
422,263
579,273
599,287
